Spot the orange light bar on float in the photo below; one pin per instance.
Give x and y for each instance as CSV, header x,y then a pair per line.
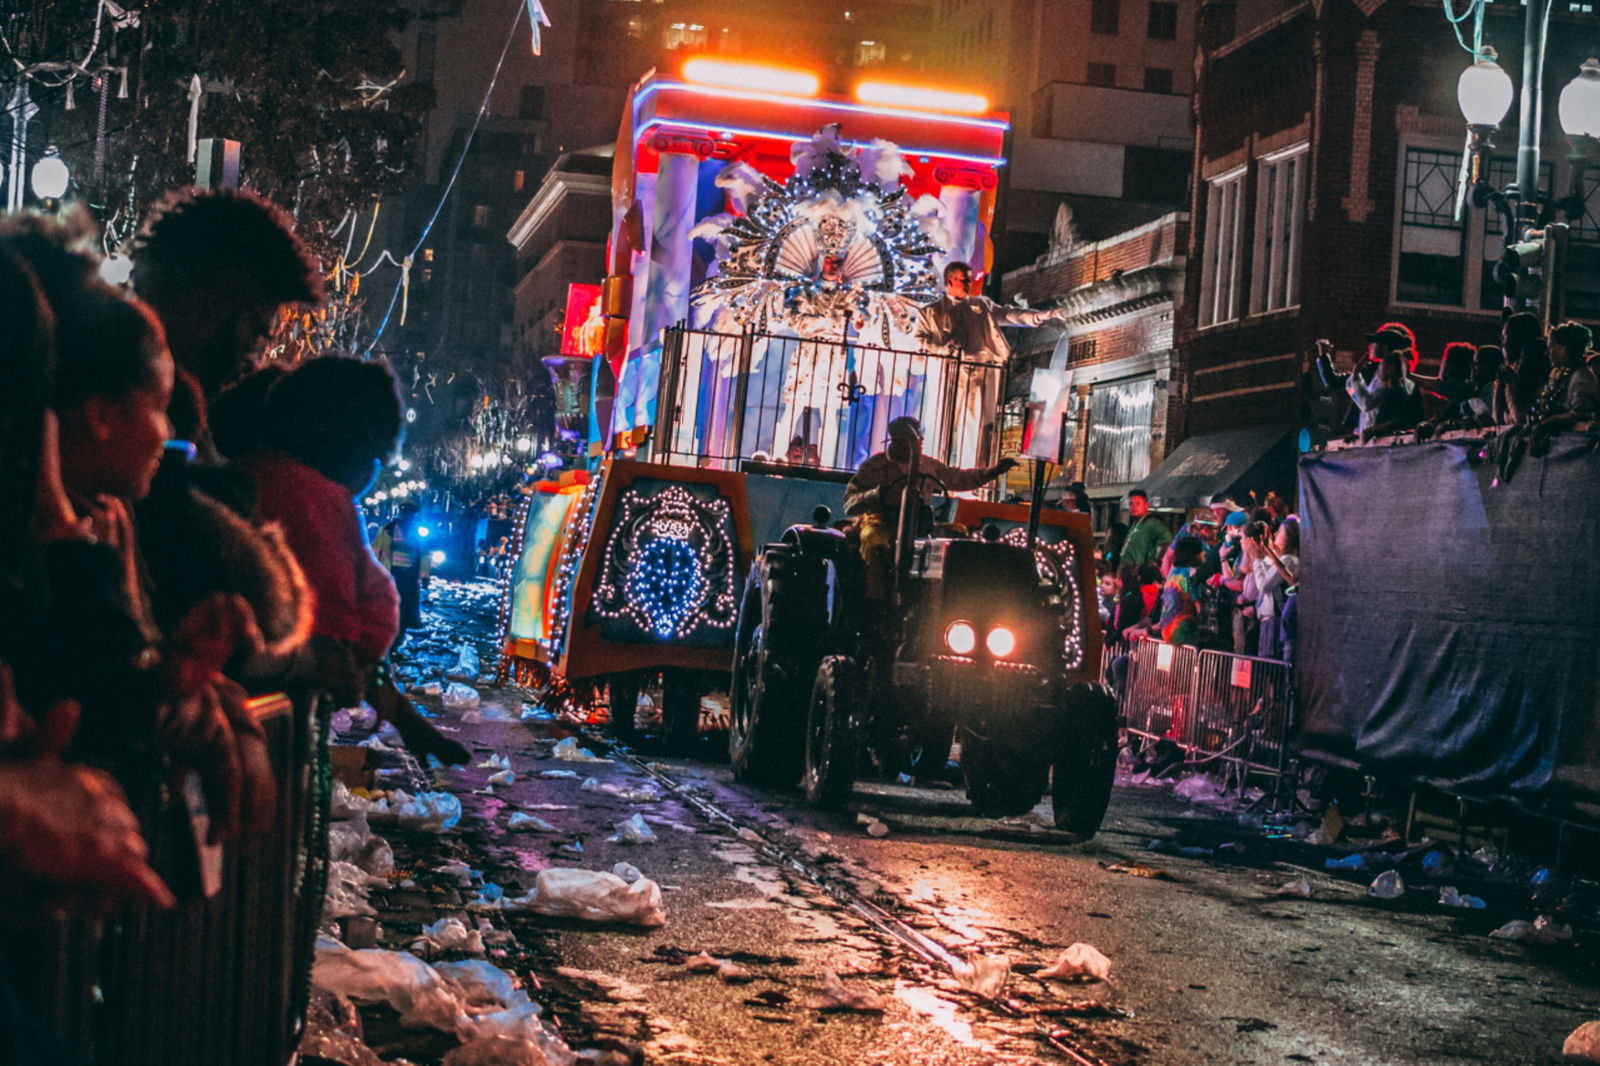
x,y
726,75
920,98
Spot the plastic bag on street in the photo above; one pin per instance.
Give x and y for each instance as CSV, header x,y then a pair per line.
x,y
1387,885
567,750
1542,931
504,777
467,666
460,698
450,934
984,974
1301,887
1583,1042
432,811
1349,862
835,996
333,1032
343,803
529,823
397,978
627,871
346,896
622,792
1449,896
1079,962
634,830
1197,788
563,892
353,841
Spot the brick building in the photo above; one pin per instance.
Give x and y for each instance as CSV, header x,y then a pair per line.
x,y
1327,147
1121,296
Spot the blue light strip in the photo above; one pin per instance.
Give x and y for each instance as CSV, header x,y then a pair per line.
x,y
923,153
815,101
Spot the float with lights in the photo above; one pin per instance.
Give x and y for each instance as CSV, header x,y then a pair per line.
x,y
770,250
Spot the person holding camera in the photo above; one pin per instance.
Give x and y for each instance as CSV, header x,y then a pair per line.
x,y
1276,572
1386,398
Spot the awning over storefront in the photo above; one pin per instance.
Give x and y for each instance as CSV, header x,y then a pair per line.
x,y
1237,463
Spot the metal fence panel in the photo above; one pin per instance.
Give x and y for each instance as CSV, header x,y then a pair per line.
x,y
1159,695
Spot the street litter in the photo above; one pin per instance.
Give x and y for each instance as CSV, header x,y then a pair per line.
x,y
1135,869
1349,862
1583,1042
496,762
504,777
875,828
1301,887
1540,931
622,792
701,963
460,698
347,890
634,830
467,667
554,775
1434,862
529,823
489,899
448,934
457,871
562,892
1387,885
835,996
353,841
334,1032
431,689
984,974
567,750
1080,962
1197,788
1449,896
627,871
496,712
432,811
375,743
732,973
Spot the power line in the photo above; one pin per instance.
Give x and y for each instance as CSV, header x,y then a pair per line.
x,y
483,109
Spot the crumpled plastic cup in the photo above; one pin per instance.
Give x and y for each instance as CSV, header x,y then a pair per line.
x,y
633,830
1079,962
1450,896
564,892
1387,885
460,698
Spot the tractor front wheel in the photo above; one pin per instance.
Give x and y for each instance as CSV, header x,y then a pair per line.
x,y
833,745
1000,783
1086,759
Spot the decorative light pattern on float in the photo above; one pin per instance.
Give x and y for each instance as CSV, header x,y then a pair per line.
x,y
669,564
1058,567
571,559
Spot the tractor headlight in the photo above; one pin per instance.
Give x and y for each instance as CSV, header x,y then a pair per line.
x,y
961,638
1001,642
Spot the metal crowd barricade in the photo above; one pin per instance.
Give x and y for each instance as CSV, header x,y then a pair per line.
x,y
1220,708
226,978
1159,695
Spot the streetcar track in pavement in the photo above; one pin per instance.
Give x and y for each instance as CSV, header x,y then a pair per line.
x,y
875,915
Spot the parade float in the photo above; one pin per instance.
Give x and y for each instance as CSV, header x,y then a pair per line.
x,y
770,251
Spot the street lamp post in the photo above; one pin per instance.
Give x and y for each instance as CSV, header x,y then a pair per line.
x,y
1534,240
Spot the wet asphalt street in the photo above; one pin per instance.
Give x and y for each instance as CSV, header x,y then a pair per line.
x,y
1211,961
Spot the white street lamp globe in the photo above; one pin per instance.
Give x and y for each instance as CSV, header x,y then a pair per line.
x,y
49,176
1484,91
526,445
116,269
1580,102
476,462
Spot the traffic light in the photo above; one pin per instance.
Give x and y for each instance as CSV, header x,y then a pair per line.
x,y
1530,271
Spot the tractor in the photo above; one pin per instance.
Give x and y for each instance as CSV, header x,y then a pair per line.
x,y
968,643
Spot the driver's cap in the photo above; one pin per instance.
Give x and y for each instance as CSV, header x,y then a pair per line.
x,y
905,426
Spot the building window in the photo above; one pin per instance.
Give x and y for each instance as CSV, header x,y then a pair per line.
x,y
1103,74
1438,261
1117,447
1103,15
530,104
1163,24
1081,349
684,35
480,215
1280,206
1157,80
518,180
1219,265
870,52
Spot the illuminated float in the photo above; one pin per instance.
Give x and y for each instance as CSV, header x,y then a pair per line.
x,y
770,251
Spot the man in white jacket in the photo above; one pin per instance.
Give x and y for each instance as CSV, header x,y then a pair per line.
x,y
969,325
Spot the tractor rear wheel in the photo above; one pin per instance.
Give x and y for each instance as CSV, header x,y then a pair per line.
x,y
833,734
1085,761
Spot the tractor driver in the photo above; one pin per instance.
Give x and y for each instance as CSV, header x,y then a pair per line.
x,y
874,494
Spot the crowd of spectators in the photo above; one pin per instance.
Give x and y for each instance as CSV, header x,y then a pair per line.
x,y
1533,383
178,536
1227,581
